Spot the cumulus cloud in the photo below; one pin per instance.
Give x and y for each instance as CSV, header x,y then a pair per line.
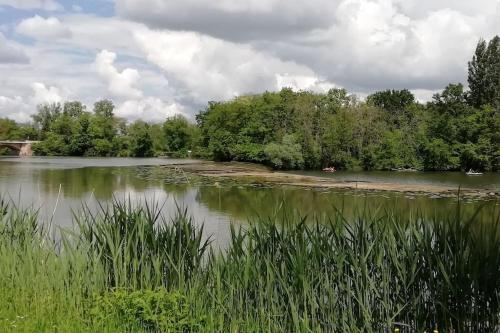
x,y
43,28
15,108
120,84
49,5
11,54
209,68
21,108
43,94
149,109
362,45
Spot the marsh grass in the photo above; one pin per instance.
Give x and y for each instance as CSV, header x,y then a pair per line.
x,y
139,248
374,273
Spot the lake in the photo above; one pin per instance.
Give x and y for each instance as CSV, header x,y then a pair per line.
x,y
58,186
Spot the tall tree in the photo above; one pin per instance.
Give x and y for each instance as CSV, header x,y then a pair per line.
x,y
142,144
73,109
46,114
484,74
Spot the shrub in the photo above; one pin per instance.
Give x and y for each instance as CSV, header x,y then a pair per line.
x,y
151,310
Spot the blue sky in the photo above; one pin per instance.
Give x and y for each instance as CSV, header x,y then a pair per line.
x,y
155,59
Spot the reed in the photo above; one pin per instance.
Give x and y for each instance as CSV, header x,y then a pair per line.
x,y
139,248
126,267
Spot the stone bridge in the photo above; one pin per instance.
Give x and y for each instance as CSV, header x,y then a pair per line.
x,y
23,147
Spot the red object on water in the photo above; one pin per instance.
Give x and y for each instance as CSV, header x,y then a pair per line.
x,y
329,169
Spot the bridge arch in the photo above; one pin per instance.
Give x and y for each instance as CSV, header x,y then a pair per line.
x,y
23,147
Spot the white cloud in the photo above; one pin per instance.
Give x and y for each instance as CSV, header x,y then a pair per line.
x,y
43,94
15,108
10,53
149,109
210,68
362,45
49,5
303,82
120,84
43,28
21,108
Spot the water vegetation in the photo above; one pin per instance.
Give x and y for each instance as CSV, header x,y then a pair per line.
x,y
127,268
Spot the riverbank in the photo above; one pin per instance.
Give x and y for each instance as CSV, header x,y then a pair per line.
x,y
254,173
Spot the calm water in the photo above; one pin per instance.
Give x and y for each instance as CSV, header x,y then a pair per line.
x,y
56,186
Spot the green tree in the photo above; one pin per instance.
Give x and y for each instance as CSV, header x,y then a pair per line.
x,y
178,134
484,74
52,145
141,142
46,114
287,155
104,108
438,155
102,129
73,109
8,128
396,103
81,141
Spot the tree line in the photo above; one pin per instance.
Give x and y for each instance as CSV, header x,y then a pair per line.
x,y
70,130
458,129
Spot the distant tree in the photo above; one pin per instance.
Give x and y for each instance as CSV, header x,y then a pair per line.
x,y
337,98
73,109
392,101
104,108
46,114
396,104
286,155
52,145
439,155
81,141
178,134
7,128
103,124
484,74
452,100
142,144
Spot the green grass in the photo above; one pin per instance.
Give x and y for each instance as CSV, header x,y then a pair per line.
x,y
127,268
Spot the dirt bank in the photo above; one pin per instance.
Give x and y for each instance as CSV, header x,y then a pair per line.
x,y
260,174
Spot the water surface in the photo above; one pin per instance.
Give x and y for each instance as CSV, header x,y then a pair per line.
x,y
58,186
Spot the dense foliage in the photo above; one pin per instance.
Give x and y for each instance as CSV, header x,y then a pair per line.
x,y
390,130
131,270
458,129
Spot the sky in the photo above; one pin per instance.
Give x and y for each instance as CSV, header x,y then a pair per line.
x,y
159,58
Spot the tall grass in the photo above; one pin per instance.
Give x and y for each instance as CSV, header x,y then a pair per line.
x,y
127,268
139,248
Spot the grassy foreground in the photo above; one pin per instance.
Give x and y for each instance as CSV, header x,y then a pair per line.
x,y
127,269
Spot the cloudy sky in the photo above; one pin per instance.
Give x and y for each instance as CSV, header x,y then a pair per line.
x,y
156,58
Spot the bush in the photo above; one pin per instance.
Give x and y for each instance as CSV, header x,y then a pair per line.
x,y
150,310
53,145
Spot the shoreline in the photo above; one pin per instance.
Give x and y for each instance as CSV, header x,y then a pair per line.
x,y
261,174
